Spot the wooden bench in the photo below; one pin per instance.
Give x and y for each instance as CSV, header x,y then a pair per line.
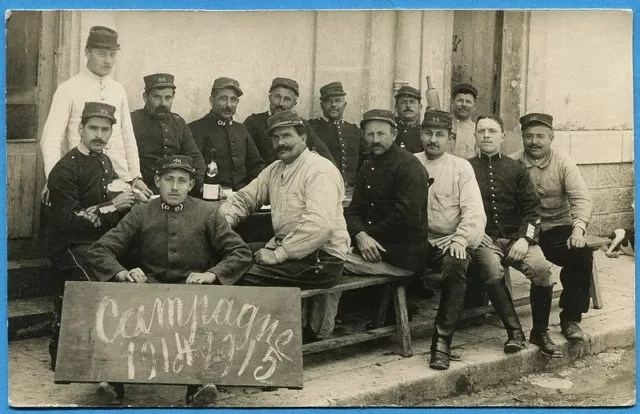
x,y
394,290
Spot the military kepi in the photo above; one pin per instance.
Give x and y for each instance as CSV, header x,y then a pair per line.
x,y
437,119
464,88
285,83
223,83
180,162
378,115
408,91
282,119
103,38
99,110
159,80
536,118
331,89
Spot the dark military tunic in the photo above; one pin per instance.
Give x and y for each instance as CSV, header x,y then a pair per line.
x,y
81,210
390,204
346,144
162,137
509,197
173,242
409,135
257,126
236,154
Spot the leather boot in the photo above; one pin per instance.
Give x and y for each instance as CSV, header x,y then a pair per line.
x,y
541,297
451,303
503,305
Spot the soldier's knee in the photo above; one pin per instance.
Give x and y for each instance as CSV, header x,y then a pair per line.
x,y
538,272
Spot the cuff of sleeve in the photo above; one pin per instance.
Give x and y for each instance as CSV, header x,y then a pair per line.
x,y
281,254
580,224
106,208
530,232
461,240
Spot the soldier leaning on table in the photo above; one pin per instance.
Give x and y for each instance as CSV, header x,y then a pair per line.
x,y
160,230
81,207
305,191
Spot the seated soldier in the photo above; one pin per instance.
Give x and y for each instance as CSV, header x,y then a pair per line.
x,y
81,207
387,217
305,192
160,230
456,226
566,209
513,211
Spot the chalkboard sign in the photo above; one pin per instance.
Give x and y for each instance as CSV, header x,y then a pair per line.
x,y
180,334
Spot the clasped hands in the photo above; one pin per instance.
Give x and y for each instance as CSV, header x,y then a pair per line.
x,y
137,276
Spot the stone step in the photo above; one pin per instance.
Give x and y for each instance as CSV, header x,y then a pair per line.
x,y
29,278
29,318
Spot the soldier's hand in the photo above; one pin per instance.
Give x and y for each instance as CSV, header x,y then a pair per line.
x,y
456,250
140,185
124,200
137,276
369,248
206,278
44,195
519,250
122,276
265,257
576,240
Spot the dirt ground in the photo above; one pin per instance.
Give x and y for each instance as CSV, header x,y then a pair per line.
x,y
604,380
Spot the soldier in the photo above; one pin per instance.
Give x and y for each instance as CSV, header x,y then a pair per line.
x,y
513,211
92,84
387,218
82,208
161,229
456,226
283,96
235,152
161,133
343,139
463,105
566,211
311,241
408,107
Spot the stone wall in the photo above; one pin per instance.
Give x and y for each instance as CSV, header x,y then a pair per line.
x,y
611,187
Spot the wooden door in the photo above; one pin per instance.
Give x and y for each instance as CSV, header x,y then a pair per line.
x,y
476,55
29,86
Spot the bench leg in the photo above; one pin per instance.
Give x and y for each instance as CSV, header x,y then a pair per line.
x,y
594,290
381,312
402,320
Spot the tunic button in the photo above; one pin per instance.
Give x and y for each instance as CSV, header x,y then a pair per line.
x,y
107,171
490,166
372,168
369,222
368,186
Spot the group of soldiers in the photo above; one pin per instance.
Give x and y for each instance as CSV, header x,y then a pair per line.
x,y
417,201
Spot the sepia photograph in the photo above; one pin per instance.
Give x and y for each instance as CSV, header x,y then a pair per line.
x,y
320,208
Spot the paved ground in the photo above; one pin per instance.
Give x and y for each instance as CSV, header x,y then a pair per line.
x,y
374,374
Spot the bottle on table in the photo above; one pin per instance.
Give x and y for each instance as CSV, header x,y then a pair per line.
x,y
433,101
211,187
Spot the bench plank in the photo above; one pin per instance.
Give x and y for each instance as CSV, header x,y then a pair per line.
x,y
356,282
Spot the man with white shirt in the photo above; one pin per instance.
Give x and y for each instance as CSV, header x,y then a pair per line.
x,y
456,226
463,105
305,191
93,84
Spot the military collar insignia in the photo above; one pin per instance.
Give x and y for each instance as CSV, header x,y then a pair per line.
x,y
411,125
167,207
225,123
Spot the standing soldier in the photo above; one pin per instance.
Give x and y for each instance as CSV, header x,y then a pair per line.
x,y
161,133
283,96
343,139
463,105
235,152
408,107
93,84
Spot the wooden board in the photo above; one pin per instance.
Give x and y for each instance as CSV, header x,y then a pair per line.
x,y
180,334
21,176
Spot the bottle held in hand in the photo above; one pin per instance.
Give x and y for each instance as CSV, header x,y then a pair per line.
x,y
211,188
